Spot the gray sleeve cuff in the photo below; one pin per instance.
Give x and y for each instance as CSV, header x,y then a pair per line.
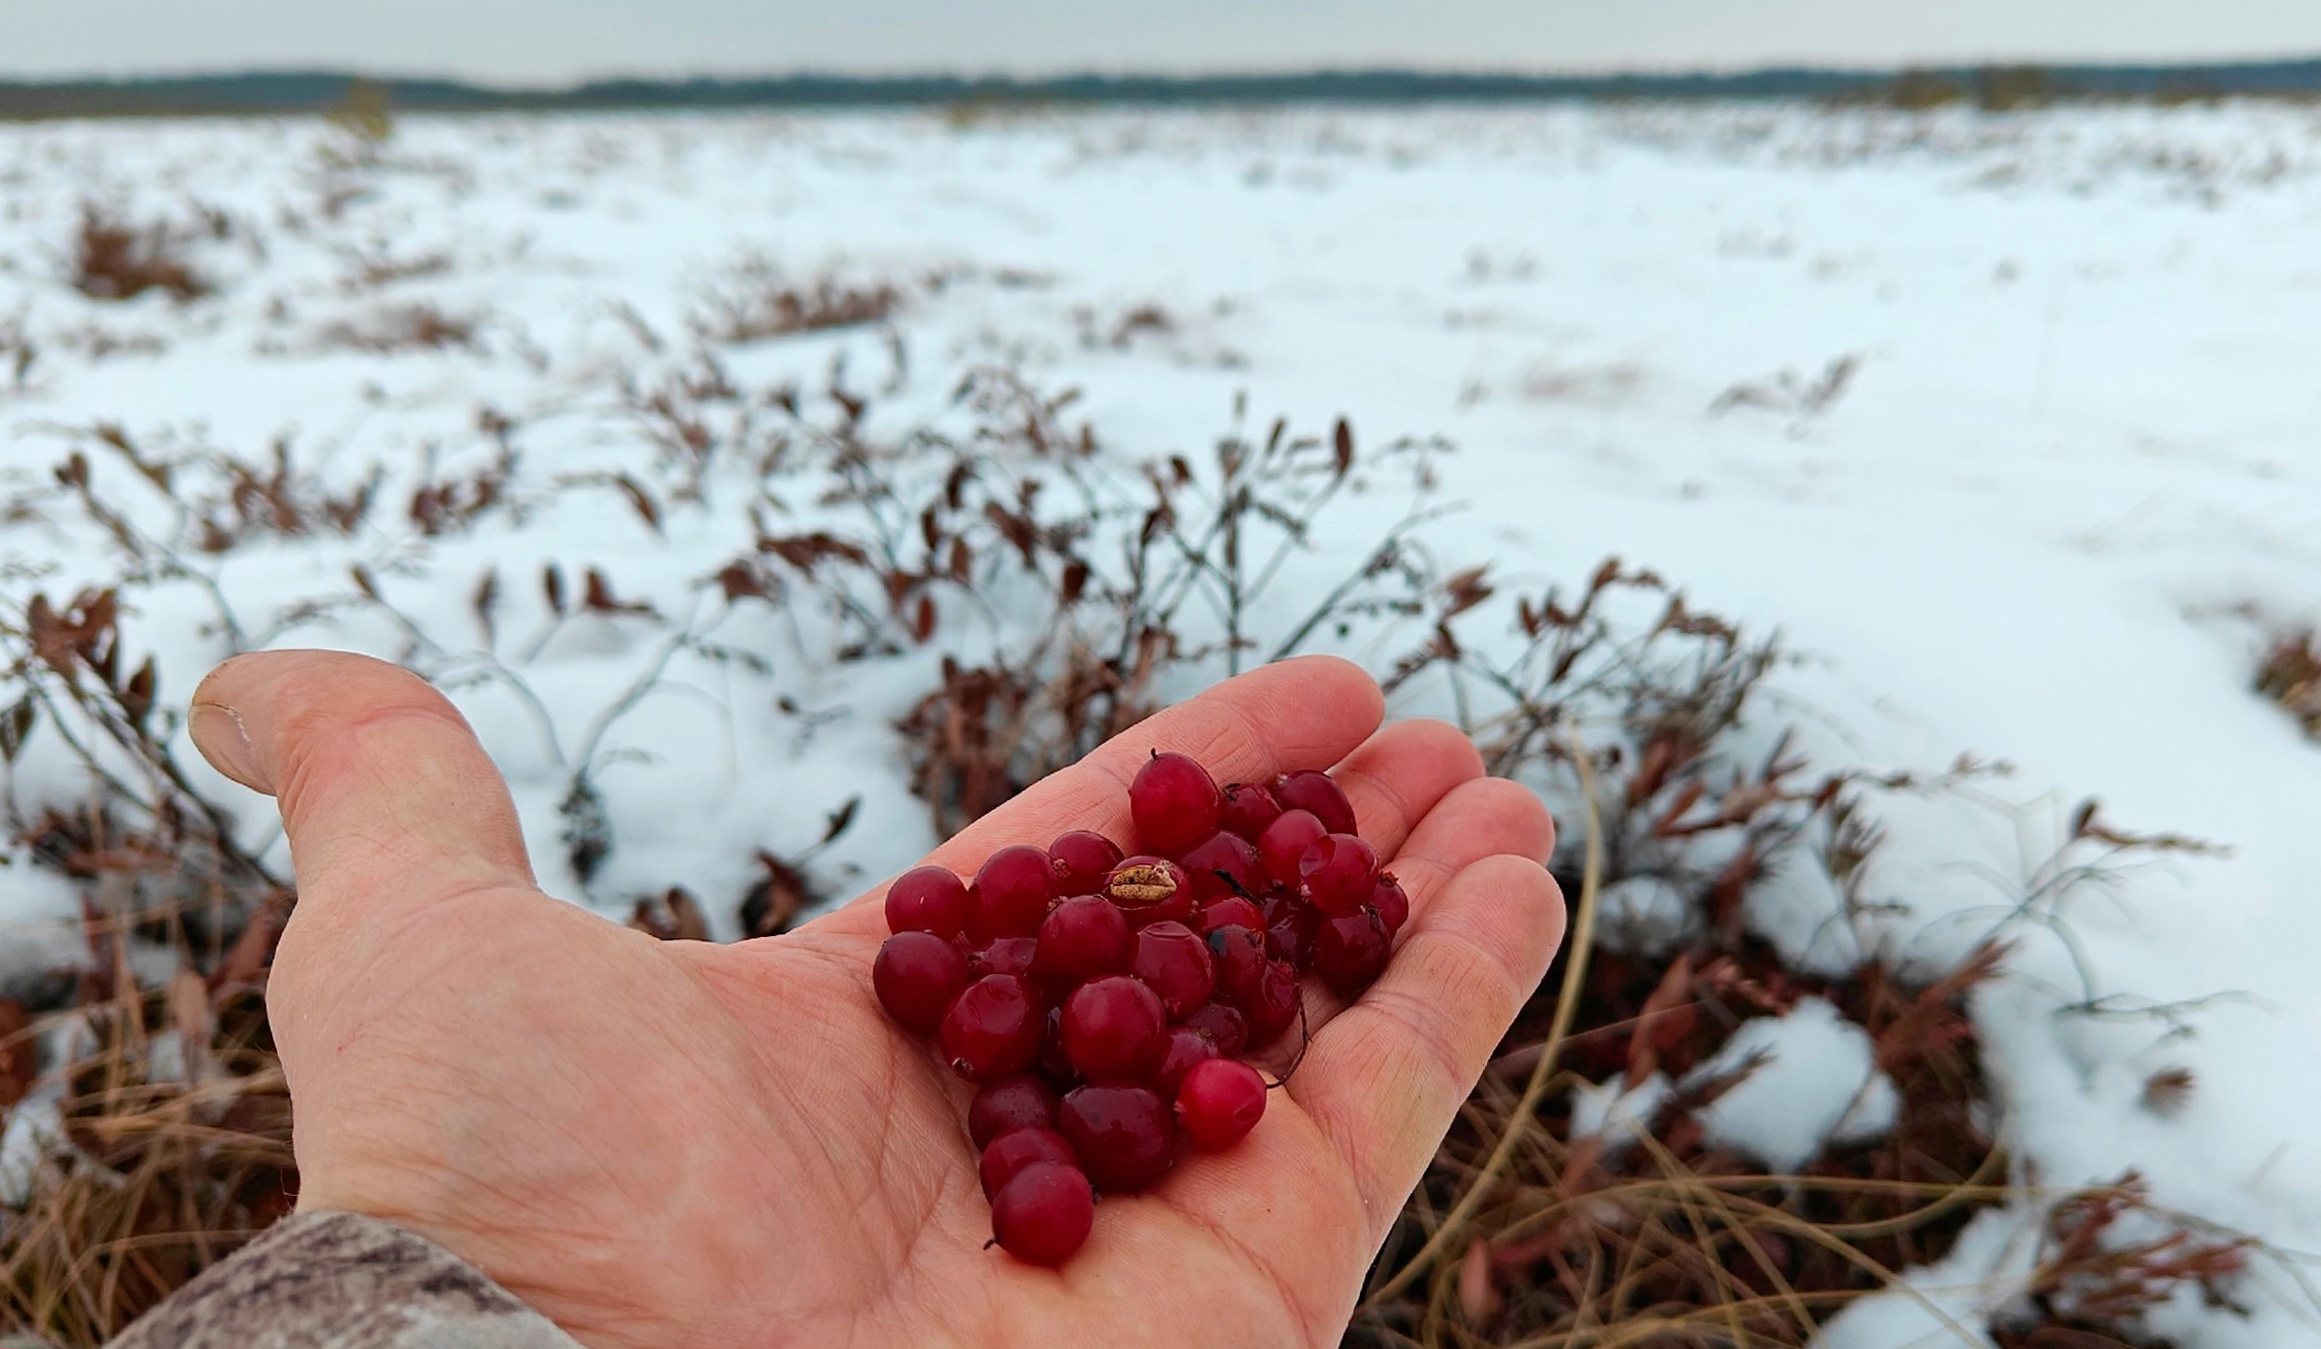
x,y
342,1281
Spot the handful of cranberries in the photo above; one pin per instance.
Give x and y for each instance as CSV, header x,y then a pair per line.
x,y
1100,1002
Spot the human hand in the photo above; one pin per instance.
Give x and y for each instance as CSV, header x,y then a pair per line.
x,y
680,1143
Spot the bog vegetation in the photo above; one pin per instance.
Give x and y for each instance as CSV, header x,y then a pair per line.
x,y
1583,1198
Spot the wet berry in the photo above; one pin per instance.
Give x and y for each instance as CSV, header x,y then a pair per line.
x,y
1083,937
1350,951
1010,1153
916,975
1238,956
1285,841
1219,1102
1290,936
1009,1104
992,1029
1122,1133
1003,955
1151,890
1315,792
1223,865
1338,873
1175,803
927,899
1249,807
1114,1027
1224,1025
1079,861
1233,912
1271,1004
1187,1048
1173,960
1011,894
1044,1214
1392,903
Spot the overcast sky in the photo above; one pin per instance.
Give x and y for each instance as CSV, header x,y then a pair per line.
x,y
538,41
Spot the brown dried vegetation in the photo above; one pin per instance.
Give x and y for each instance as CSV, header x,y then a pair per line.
x,y
754,302
402,327
114,259
2290,675
1641,717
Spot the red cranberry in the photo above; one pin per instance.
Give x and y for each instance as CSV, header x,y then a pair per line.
x,y
927,899
1249,807
1272,1004
1224,1025
1231,912
1083,937
1238,955
1392,903
1219,1102
1114,1027
1004,955
1175,803
1122,1133
1290,936
1151,890
1187,1047
1009,1104
1079,862
1011,894
1285,841
1315,792
1224,864
1174,961
1350,951
1044,1214
992,1029
1338,873
1009,1154
916,975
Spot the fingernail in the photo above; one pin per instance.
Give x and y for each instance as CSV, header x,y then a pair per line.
x,y
218,733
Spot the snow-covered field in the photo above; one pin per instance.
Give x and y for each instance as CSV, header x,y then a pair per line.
x,y
2012,425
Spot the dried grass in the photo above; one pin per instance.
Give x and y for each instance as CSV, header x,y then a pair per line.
x,y
169,1123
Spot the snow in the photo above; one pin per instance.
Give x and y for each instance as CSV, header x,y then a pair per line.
x,y
1646,913
1616,1112
1797,906
1945,1305
1810,1076
2068,481
40,924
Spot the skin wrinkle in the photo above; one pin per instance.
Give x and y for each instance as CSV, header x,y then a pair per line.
x,y
1300,1315
896,1051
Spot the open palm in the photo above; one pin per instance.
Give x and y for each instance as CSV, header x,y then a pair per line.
x,y
677,1143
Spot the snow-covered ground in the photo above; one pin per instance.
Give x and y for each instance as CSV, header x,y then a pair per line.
x,y
2029,456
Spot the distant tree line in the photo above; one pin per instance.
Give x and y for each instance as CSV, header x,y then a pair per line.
x,y
1994,87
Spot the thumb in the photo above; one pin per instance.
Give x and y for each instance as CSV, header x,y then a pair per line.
x,y
384,792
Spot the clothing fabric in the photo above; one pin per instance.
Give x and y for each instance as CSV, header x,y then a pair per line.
x,y
342,1281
